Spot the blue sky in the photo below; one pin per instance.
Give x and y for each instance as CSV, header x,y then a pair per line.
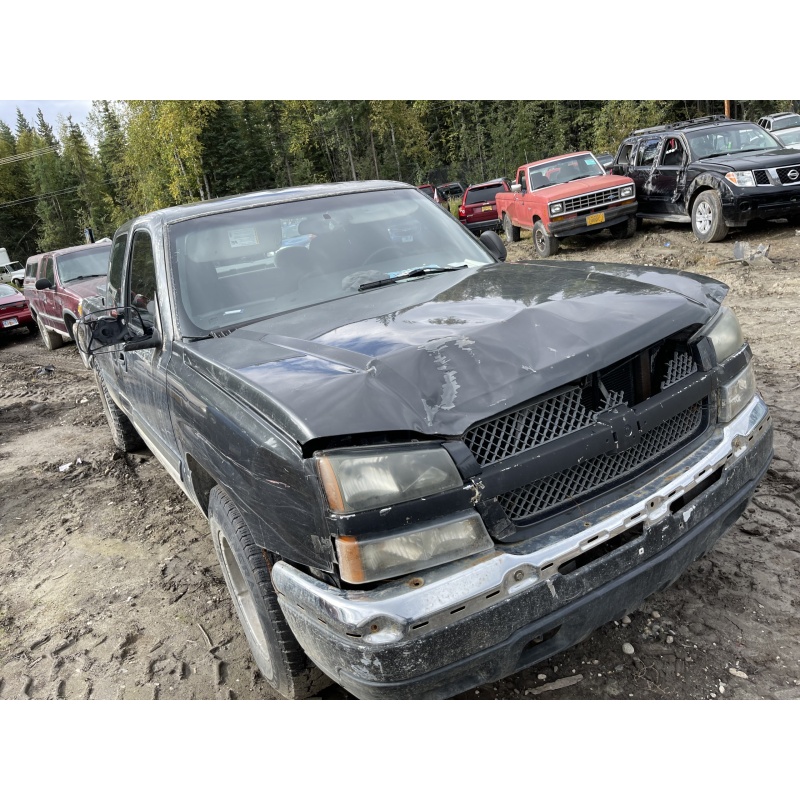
x,y
50,108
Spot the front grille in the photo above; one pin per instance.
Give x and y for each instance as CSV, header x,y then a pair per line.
x,y
762,178
680,366
783,174
529,427
576,482
585,202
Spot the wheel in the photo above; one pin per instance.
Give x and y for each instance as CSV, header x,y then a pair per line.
x,y
52,339
17,282
545,244
390,251
279,657
511,231
707,221
125,436
624,230
70,328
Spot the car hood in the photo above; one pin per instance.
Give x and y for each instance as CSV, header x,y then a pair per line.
x,y
85,288
581,186
763,159
434,356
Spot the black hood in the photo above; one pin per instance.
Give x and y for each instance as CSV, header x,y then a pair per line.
x,y
762,159
434,356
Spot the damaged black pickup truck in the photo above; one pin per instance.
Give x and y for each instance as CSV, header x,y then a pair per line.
x,y
424,468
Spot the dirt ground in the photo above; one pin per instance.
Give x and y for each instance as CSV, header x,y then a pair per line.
x,y
110,589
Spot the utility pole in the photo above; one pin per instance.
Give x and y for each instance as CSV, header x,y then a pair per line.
x,y
727,108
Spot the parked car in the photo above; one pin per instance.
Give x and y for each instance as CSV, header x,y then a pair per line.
x,y
713,172
14,311
12,273
789,138
423,468
478,209
58,281
450,191
780,122
432,192
566,195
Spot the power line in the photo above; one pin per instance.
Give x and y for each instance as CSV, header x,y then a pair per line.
x,y
39,197
32,154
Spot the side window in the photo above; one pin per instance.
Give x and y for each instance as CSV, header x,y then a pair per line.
x,y
142,280
523,181
647,152
114,288
673,153
30,269
624,156
49,272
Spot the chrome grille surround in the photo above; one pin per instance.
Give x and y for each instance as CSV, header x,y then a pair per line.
x,y
783,175
762,177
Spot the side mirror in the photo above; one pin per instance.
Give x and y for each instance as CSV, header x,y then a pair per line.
x,y
494,244
516,187
43,283
95,334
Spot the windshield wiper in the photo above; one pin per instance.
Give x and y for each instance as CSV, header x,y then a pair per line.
x,y
415,273
85,277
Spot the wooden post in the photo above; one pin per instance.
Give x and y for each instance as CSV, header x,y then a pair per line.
x,y
727,108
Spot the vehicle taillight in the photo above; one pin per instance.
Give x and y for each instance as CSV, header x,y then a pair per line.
x,y
462,211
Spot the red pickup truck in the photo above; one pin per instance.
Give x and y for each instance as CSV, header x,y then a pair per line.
x,y
61,280
564,196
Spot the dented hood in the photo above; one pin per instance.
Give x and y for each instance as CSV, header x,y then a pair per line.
x,y
434,356
596,183
761,159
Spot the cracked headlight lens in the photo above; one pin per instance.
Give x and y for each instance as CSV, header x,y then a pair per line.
x,y
376,477
736,394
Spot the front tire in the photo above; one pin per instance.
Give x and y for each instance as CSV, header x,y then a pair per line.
x,y
279,657
545,244
624,230
511,231
708,223
125,436
52,339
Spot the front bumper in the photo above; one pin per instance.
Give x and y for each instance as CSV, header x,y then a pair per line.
x,y
479,619
577,225
761,204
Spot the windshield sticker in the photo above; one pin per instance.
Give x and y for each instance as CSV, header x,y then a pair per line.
x,y
590,161
243,237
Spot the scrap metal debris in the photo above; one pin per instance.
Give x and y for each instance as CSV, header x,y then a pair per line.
x,y
743,252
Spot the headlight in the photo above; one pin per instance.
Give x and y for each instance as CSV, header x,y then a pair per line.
x,y
375,477
736,394
741,178
626,191
724,332
363,561
556,208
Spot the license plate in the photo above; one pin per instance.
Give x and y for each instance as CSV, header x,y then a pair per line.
x,y
486,208
593,219
10,322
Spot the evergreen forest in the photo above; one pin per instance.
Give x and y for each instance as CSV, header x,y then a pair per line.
x,y
59,178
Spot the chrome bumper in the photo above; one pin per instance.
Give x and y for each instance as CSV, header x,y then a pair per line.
x,y
405,612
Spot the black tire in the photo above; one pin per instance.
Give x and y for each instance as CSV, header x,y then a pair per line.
x,y
52,339
624,230
70,323
708,223
545,244
125,436
511,231
280,659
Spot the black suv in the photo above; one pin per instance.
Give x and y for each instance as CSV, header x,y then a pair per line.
x,y
714,172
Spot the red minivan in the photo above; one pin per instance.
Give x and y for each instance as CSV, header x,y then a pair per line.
x,y
478,210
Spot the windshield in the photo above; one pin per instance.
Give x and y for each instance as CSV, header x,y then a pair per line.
x,y
743,138
239,266
790,137
789,121
7,291
85,264
563,170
